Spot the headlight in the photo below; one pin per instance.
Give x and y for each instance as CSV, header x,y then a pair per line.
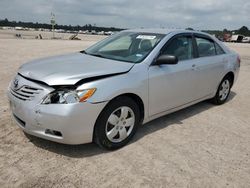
x,y
65,96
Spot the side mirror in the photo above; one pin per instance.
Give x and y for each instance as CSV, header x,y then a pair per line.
x,y
166,59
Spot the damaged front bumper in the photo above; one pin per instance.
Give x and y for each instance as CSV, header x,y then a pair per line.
x,y
63,123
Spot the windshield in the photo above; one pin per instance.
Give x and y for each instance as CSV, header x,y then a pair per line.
x,y
126,46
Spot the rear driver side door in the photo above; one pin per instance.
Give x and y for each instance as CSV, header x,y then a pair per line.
x,y
208,67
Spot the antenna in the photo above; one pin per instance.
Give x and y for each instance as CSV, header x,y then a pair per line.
x,y
53,22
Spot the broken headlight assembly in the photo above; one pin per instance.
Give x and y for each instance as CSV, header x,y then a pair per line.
x,y
66,96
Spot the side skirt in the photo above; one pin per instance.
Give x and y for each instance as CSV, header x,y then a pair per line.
x,y
169,111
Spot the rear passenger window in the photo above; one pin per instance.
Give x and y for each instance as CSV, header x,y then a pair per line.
x,y
219,50
180,47
205,47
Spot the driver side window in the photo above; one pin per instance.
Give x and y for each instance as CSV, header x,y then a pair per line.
x,y
181,47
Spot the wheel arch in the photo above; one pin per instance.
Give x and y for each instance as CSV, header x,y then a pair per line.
x,y
132,96
231,76
136,99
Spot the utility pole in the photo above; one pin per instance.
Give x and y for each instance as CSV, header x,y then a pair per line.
x,y
53,22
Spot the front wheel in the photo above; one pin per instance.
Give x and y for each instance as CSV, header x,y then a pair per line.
x,y
223,91
117,123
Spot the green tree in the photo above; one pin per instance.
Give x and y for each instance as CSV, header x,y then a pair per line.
x,y
243,31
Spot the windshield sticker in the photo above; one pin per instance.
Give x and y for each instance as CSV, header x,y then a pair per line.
x,y
139,55
148,37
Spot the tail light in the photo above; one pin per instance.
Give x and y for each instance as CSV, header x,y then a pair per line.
x,y
238,60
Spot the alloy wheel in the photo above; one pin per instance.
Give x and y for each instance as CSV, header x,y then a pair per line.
x,y
224,90
120,124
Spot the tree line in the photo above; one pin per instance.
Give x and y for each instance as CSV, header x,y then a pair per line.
x,y
89,27
5,22
241,31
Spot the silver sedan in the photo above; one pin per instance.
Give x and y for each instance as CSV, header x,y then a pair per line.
x,y
104,93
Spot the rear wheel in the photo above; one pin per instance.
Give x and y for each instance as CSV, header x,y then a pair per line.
x,y
117,123
223,91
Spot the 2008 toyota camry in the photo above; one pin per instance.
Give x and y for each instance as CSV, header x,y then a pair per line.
x,y
104,93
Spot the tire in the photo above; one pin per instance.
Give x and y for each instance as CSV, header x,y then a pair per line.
x,y
223,91
120,115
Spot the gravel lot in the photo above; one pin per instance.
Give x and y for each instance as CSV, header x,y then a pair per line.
x,y
201,146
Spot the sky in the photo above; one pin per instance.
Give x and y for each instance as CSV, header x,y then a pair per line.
x,y
198,14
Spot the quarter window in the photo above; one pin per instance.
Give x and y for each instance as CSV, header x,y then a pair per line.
x,y
181,47
219,50
205,47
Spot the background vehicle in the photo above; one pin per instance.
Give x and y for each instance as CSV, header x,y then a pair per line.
x,y
105,92
237,38
246,40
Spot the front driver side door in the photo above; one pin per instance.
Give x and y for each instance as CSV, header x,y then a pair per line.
x,y
171,86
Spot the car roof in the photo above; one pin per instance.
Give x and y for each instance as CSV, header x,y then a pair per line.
x,y
163,31
176,31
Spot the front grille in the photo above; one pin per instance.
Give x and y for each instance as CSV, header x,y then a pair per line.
x,y
26,92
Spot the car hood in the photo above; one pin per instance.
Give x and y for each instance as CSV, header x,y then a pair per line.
x,y
71,68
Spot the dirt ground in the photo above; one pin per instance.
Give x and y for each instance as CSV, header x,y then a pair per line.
x,y
201,146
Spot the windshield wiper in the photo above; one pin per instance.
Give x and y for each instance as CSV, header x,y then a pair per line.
x,y
97,55
83,52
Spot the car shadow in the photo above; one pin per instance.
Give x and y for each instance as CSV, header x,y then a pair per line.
x,y
88,150
74,151
175,118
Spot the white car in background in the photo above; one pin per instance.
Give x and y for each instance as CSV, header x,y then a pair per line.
x,y
246,40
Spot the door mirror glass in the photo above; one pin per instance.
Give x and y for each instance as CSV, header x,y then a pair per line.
x,y
166,59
